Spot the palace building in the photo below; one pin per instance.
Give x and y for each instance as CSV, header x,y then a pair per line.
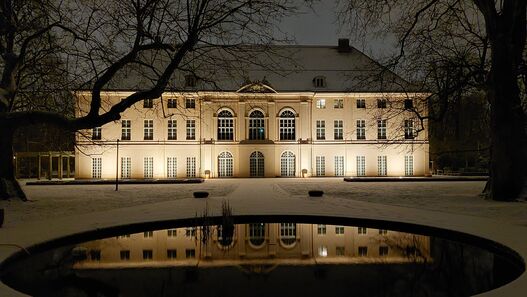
x,y
312,111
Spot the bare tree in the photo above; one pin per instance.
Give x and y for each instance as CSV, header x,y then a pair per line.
x,y
463,45
97,43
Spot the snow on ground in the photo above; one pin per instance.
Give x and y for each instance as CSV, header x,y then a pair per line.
x,y
452,197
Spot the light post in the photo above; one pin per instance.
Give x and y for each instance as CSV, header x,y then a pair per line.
x,y
117,168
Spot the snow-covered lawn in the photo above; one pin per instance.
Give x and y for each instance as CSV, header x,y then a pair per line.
x,y
452,197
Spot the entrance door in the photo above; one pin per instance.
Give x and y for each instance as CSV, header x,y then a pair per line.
x,y
225,165
287,164
256,165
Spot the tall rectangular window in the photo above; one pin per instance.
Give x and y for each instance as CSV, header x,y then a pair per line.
x,y
381,129
190,103
363,251
361,103
383,250
338,129
126,167
171,167
148,103
172,103
96,169
339,165
96,133
321,229
148,169
148,254
408,129
408,165
382,169
191,166
149,129
321,129
126,129
172,129
361,129
321,103
191,129
338,103
320,165
361,165
381,103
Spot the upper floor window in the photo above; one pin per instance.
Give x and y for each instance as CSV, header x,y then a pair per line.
x,y
381,103
287,125
408,104
321,103
319,82
225,125
172,129
338,103
338,129
190,81
96,133
191,129
172,103
126,129
361,103
256,125
190,103
381,129
149,129
321,129
148,103
409,129
361,129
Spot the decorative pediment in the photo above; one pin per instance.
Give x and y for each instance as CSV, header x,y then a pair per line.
x,y
256,87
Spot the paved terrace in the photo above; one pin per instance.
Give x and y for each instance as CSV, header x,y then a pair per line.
x,y
56,211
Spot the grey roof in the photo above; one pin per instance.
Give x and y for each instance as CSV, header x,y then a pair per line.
x,y
285,68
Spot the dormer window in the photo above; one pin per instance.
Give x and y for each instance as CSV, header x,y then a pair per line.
x,y
319,82
190,81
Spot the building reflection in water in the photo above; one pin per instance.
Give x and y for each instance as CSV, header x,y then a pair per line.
x,y
253,246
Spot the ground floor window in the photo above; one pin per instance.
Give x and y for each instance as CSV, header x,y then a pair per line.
x,y
148,169
382,169
257,233
171,167
339,165
320,165
287,164
288,233
256,164
96,171
361,165
191,166
225,164
408,165
126,167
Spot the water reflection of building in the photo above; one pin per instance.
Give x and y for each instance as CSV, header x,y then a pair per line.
x,y
259,243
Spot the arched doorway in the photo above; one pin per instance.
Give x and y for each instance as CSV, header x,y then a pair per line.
x,y
256,165
287,164
225,165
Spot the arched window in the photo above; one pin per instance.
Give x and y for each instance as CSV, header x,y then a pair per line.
x,y
225,235
256,165
288,233
287,164
257,233
256,125
225,125
225,164
287,125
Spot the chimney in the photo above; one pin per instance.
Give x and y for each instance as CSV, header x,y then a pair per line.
x,y
344,45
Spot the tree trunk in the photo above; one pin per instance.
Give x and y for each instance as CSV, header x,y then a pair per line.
x,y
9,186
508,161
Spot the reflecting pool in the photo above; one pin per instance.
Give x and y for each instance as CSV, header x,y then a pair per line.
x,y
261,258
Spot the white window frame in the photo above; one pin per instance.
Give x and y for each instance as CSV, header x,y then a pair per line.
x,y
96,172
126,167
321,129
288,233
256,125
172,129
172,103
148,131
338,104
320,162
409,165
148,167
287,164
409,129
171,167
190,103
321,104
361,103
96,133
361,165
382,166
225,125
126,129
339,165
256,164
191,167
361,129
191,129
338,129
225,164
287,125
381,129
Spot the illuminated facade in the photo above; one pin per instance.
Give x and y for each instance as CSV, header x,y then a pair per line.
x,y
320,119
